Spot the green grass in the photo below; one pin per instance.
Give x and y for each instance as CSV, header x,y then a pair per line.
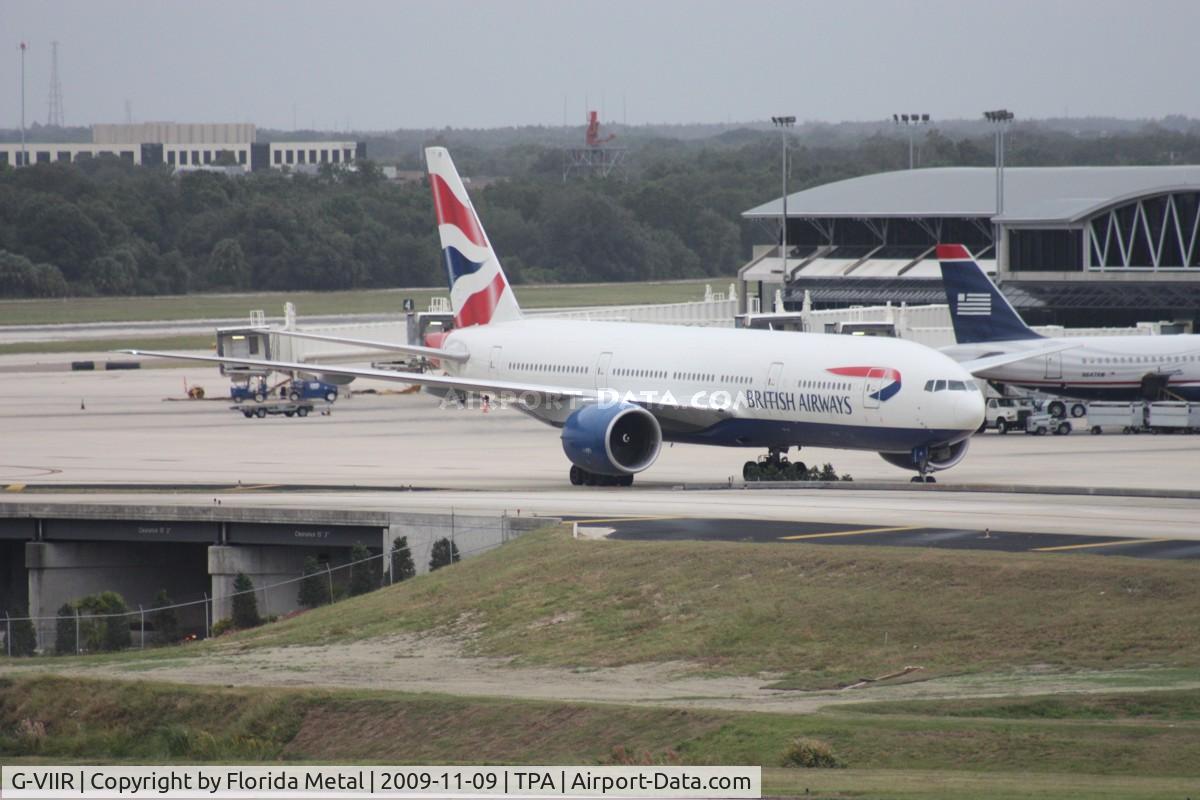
x,y
903,756
1171,706
365,301
821,616
107,346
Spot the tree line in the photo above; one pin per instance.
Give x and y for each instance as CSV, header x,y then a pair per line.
x,y
107,227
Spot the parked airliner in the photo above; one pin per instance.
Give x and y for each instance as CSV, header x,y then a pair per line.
x,y
619,390
1089,367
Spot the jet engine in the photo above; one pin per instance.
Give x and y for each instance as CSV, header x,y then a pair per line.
x,y
615,440
942,456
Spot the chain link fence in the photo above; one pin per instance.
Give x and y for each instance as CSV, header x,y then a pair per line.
x,y
85,631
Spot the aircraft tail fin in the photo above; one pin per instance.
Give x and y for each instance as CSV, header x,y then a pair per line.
x,y
479,291
979,311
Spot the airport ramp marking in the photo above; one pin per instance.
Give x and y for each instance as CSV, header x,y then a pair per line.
x,y
855,532
1117,543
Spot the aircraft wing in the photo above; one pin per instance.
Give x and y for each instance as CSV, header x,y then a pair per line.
x,y
978,365
672,415
411,349
418,378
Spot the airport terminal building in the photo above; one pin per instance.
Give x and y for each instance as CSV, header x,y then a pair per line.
x,y
1075,246
187,147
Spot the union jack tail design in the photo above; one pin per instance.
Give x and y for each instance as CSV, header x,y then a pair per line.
x,y
479,291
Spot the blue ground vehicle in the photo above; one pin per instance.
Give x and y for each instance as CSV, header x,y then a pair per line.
x,y
250,390
309,390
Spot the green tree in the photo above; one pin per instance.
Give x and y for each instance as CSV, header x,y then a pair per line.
x,y
24,638
105,624
164,619
402,564
245,603
64,630
445,553
314,589
227,265
364,577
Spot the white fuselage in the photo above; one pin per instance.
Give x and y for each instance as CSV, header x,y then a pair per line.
x,y
778,387
1097,367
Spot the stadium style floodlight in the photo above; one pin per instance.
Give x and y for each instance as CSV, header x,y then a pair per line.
x,y
783,123
910,121
1000,119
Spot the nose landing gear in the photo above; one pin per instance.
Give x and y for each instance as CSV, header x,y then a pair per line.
x,y
920,457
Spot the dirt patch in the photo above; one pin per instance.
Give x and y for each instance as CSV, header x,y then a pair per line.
x,y
416,730
431,664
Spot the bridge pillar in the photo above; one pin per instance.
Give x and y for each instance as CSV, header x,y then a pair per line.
x,y
62,572
262,564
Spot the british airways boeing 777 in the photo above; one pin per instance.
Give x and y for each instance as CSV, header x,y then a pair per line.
x,y
618,391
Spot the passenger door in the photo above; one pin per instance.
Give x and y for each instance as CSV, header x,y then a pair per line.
x,y
495,361
602,371
1054,366
773,376
871,387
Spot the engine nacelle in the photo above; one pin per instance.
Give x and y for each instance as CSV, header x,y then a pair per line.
x,y
618,439
941,457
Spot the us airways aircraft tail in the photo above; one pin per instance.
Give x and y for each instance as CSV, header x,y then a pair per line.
x,y
479,291
979,311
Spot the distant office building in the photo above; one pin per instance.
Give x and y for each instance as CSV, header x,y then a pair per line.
x,y
191,146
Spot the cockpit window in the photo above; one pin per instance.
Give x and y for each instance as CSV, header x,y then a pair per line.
x,y
957,386
929,386
939,386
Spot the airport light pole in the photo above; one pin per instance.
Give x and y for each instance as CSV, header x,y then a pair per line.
x,y
1000,120
24,156
910,122
783,123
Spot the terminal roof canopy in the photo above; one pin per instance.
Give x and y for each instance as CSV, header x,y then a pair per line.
x,y
1049,195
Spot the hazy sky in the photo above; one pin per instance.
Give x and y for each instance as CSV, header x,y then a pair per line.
x,y
381,65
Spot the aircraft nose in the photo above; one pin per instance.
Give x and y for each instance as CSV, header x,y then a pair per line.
x,y
968,411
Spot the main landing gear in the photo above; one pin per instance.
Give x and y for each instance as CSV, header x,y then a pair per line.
x,y
582,477
774,466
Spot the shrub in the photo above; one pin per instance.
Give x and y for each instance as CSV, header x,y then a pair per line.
x,y
164,620
364,577
445,553
107,627
402,565
245,603
314,589
64,630
24,638
221,627
811,754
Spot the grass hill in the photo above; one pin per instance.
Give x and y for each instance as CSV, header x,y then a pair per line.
x,y
820,615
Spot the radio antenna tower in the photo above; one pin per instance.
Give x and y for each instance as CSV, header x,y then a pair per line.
x,y
55,116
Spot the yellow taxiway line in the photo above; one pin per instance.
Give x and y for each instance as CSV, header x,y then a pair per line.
x,y
1096,544
855,532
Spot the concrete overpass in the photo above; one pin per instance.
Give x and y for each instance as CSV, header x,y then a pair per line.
x,y
52,553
